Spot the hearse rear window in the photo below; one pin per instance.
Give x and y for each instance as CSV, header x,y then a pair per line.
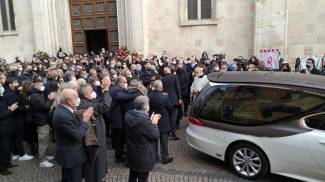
x,y
254,105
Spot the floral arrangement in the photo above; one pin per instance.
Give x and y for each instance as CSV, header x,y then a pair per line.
x,y
42,55
122,53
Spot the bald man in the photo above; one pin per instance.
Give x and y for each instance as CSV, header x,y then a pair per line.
x,y
69,133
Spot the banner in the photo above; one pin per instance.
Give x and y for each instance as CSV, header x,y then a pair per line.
x,y
318,62
270,58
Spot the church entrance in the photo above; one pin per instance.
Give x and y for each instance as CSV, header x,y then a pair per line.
x,y
96,39
93,25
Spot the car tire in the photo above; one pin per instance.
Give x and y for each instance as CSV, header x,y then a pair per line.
x,y
248,161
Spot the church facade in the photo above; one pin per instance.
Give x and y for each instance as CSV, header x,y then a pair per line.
x,y
181,27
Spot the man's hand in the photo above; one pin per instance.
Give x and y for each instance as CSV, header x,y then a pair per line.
x,y
52,95
106,82
13,107
155,118
87,114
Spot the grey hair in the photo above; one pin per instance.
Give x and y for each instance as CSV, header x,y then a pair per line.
x,y
83,89
65,95
134,83
158,85
140,102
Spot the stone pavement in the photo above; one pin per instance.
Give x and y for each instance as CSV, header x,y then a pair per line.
x,y
189,165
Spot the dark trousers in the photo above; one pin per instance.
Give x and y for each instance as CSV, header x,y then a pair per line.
x,y
173,120
163,146
31,137
186,103
136,176
18,137
5,146
72,174
118,141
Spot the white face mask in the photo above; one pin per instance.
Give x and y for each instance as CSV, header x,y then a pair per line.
x,y
73,79
42,88
97,83
93,95
78,102
2,91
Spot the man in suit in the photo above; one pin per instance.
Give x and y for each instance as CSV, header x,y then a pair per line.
x,y
69,133
160,104
172,88
116,116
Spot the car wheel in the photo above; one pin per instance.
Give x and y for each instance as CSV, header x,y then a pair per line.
x,y
248,161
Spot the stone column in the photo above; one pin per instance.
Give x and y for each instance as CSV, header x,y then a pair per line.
x,y
52,27
131,24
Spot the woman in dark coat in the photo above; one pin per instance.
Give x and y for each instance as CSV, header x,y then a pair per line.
x,y
141,132
95,167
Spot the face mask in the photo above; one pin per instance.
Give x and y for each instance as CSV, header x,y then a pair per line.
x,y
78,102
42,88
174,62
97,83
85,77
125,86
308,66
73,79
20,69
114,76
74,62
93,95
2,91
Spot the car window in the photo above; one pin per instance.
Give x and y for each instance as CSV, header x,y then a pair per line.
x,y
316,121
248,105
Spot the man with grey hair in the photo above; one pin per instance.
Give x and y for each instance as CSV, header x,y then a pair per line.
x,y
120,96
172,87
69,133
141,131
160,103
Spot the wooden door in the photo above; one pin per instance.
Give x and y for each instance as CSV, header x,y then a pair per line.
x,y
93,15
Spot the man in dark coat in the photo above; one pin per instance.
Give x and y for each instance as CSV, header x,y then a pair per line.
x,y
12,96
116,116
160,104
172,88
69,133
40,115
185,80
6,130
95,170
141,131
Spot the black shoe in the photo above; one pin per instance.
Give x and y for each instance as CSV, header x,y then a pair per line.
x,y
169,160
12,166
5,172
174,138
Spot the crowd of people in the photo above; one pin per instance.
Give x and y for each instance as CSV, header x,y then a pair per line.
x,y
76,102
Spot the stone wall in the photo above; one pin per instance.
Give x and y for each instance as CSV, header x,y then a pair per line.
x,y
233,34
20,42
40,25
306,28
156,24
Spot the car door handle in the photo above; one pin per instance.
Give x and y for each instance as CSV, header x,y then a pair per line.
x,y
322,142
